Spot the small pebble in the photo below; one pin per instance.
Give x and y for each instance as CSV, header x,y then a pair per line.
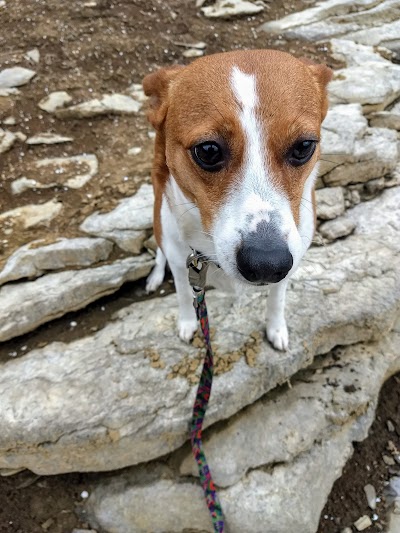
x,y
192,52
46,525
390,425
363,523
135,150
370,493
388,460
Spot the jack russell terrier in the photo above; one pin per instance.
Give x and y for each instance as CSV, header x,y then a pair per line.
x,y
236,159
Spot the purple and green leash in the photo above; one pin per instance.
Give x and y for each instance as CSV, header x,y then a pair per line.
x,y
197,278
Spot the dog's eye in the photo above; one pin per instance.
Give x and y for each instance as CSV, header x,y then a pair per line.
x,y
301,152
208,155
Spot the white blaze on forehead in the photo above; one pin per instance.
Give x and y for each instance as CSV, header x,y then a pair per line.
x,y
244,87
255,173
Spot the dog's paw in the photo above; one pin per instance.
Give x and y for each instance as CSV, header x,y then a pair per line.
x,y
187,329
278,335
154,280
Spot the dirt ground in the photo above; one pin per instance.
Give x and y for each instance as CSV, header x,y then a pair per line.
x,y
90,49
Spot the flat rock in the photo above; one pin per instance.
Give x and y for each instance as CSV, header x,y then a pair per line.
x,y
330,202
336,229
33,55
135,376
33,215
231,8
262,458
34,259
368,79
127,225
390,118
352,152
48,138
9,91
370,22
7,139
15,77
25,306
118,104
54,101
73,172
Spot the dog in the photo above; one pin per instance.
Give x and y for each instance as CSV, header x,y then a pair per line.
x,y
235,163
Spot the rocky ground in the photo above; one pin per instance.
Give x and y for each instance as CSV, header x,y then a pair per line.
x,y
84,350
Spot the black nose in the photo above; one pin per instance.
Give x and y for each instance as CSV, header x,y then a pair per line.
x,y
261,260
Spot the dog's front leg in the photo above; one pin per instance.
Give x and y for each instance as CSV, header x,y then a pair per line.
x,y
277,331
187,321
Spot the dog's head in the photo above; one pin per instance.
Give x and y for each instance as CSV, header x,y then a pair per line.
x,y
240,134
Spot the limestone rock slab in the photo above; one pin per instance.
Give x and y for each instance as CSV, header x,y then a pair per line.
x,y
33,214
368,79
135,407
351,151
370,22
231,8
275,460
25,306
54,101
48,138
127,225
15,77
119,104
336,229
330,202
34,259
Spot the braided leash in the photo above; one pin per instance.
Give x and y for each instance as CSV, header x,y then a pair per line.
x,y
197,277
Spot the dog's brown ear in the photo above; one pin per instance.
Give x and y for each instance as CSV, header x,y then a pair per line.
x,y
156,86
323,75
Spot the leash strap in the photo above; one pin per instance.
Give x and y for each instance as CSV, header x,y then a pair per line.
x,y
199,411
198,264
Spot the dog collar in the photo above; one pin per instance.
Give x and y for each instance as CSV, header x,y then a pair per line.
x,y
198,264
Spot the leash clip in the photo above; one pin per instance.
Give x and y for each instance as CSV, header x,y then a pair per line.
x,y
198,266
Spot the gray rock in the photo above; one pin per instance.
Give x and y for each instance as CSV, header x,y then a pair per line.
x,y
73,172
133,411
127,225
119,104
48,138
351,151
336,229
63,170
368,215
386,119
15,77
275,460
54,101
330,202
25,306
34,259
370,22
7,139
12,91
369,79
9,121
231,8
33,55
32,215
